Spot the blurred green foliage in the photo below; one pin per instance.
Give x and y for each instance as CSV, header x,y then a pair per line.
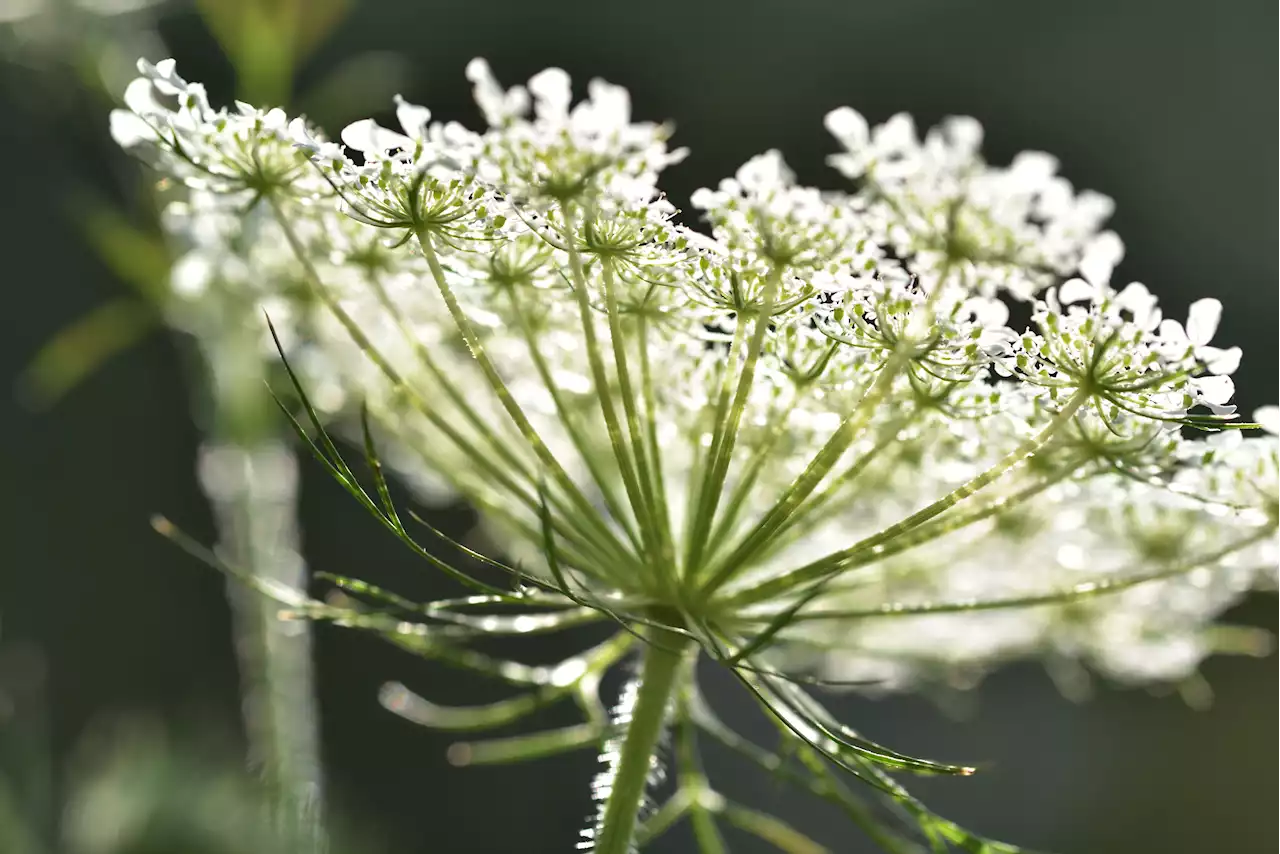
x,y
266,40
130,788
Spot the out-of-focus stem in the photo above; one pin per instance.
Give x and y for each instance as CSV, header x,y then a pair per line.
x,y
28,821
253,493
250,476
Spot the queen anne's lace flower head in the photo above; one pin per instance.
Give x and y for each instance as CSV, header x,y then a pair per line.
x,y
1011,228
1114,348
592,150
807,442
244,153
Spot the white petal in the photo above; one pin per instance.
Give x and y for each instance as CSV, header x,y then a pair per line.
x,y
764,172
1269,418
1219,361
987,312
897,133
1215,389
703,198
1033,168
478,71
1076,290
302,136
413,118
1202,320
164,74
276,120
367,135
128,130
610,105
140,96
1054,198
1093,208
1172,333
487,92
1101,256
847,125
964,133
1141,303
552,93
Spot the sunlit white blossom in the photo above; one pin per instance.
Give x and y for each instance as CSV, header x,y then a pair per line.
x,y
806,442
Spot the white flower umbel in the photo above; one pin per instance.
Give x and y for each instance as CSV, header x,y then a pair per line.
x,y
805,445
1011,228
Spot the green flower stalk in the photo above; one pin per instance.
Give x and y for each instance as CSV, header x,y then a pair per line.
x,y
806,445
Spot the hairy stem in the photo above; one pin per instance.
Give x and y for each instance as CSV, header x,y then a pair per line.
x,y
615,830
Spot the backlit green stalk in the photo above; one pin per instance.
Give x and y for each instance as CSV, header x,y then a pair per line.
x,y
726,432
627,465
662,661
587,514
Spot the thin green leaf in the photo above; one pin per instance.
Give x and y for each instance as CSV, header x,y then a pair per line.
x,y
466,550
328,455
363,588
375,467
137,257
664,817
79,349
771,829
522,748
395,697
267,587
827,724
821,783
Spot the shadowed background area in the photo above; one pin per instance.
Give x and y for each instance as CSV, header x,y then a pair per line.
x,y
1169,107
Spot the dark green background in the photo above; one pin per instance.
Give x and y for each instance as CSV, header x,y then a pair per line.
x,y
1169,107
